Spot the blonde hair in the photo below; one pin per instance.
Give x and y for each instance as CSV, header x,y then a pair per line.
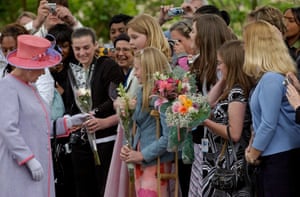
x,y
147,25
265,50
151,60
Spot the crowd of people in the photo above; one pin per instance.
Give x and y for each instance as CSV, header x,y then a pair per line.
x,y
51,145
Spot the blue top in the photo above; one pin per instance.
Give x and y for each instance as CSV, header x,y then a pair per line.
x,y
273,117
150,146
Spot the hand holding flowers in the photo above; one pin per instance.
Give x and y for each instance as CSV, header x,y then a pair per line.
x,y
83,99
125,109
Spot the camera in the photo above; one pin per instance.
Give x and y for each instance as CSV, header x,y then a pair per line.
x,y
52,7
175,11
75,138
105,51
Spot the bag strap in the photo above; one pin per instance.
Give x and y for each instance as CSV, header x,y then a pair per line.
x,y
225,147
54,134
231,143
222,153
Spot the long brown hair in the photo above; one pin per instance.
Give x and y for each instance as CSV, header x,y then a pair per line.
x,y
212,32
232,54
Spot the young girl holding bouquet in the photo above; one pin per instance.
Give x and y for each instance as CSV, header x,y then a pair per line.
x,y
141,30
146,147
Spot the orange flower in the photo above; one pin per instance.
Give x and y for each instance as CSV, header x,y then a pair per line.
x,y
183,110
182,98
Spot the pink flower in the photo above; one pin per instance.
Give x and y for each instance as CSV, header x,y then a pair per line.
x,y
176,106
164,86
147,192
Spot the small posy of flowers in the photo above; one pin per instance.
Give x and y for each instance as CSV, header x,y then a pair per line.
x,y
84,100
126,106
188,111
125,110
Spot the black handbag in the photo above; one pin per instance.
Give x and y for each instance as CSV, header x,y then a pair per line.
x,y
232,177
57,150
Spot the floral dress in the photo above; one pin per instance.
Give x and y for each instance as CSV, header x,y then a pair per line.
x,y
220,115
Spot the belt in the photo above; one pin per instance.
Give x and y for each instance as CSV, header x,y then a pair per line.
x,y
106,139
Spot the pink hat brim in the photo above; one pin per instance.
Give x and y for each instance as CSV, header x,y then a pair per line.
x,y
51,58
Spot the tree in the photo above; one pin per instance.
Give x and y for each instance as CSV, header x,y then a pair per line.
x,y
97,13
238,10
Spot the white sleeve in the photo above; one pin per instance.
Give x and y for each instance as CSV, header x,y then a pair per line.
x,y
45,86
29,27
41,32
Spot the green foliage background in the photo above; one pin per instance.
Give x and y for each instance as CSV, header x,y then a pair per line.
x,y
97,13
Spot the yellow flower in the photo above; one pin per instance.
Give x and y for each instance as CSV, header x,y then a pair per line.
x,y
185,101
188,103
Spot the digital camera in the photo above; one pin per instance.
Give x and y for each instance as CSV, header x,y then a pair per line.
x,y
175,11
52,7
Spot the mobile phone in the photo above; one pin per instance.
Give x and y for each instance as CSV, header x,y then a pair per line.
x,y
52,7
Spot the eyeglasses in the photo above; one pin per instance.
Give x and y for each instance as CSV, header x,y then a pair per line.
x,y
125,50
219,62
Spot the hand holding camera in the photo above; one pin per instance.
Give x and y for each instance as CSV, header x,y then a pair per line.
x,y
163,14
64,14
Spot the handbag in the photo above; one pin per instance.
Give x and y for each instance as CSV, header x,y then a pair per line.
x,y
230,178
57,149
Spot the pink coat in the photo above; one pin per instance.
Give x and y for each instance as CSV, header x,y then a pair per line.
x,y
25,130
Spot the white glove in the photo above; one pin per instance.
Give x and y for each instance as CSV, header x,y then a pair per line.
x,y
76,119
35,169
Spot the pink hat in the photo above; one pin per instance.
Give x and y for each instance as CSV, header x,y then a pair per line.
x,y
33,52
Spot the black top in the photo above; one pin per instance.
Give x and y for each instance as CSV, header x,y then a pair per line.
x,y
105,71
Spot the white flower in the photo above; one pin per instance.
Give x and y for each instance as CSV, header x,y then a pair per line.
x,y
83,91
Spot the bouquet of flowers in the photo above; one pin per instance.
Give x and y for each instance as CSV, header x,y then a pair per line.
x,y
168,86
186,112
84,102
126,107
184,108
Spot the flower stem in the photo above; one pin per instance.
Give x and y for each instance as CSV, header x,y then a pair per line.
x,y
96,158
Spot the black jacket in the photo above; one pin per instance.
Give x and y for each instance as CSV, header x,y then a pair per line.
x,y
105,71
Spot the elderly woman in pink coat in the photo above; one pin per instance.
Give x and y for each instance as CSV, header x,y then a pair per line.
x,y
25,126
